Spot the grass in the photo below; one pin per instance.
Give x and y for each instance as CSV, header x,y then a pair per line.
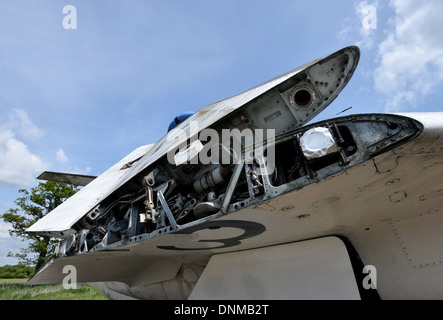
x,y
16,289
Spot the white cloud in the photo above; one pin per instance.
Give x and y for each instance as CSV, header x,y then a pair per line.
x,y
63,160
61,156
4,230
18,121
25,126
78,170
18,166
410,59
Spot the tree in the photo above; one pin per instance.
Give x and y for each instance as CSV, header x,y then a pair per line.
x,y
32,206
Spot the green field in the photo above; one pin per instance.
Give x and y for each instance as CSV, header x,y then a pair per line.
x,y
16,289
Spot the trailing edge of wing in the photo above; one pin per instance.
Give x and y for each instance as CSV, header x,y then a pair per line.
x,y
70,178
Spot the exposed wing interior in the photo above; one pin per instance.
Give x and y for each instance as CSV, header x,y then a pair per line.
x,y
283,103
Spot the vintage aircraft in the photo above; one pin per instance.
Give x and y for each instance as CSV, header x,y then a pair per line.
x,y
246,200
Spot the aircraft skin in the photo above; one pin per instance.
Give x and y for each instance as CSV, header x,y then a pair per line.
x,y
345,208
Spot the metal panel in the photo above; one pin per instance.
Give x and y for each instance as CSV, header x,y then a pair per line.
x,y
313,269
422,249
75,179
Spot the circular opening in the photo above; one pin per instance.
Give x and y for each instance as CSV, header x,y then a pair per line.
x,y
392,126
302,97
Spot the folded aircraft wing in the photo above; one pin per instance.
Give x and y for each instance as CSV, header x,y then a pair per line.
x,y
316,85
245,200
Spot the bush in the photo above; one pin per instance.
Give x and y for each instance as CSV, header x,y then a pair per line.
x,y
16,272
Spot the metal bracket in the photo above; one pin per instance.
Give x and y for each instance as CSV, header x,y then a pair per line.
x,y
168,212
231,186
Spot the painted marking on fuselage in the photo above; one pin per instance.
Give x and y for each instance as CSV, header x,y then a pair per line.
x,y
251,229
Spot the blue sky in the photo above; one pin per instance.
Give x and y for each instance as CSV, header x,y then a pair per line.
x,y
79,100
